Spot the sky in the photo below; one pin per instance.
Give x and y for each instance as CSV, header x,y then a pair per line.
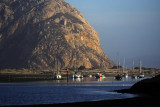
x,y
128,29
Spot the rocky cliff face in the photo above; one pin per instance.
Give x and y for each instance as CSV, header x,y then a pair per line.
x,y
40,33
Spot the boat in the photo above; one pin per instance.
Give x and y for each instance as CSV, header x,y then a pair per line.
x,y
76,75
134,77
141,75
118,77
77,79
89,75
125,75
57,75
98,75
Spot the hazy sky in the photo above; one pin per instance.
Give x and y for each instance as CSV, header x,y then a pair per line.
x,y
128,28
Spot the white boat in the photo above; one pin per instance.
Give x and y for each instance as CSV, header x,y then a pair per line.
x,y
134,77
57,76
77,75
141,76
98,75
89,75
125,75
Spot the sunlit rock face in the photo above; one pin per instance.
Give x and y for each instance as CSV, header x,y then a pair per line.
x,y
39,33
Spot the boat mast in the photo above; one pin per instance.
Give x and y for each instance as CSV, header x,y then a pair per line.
x,y
75,63
140,67
124,65
57,66
118,63
57,60
133,66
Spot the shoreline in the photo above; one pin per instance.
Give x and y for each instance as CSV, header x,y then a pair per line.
x,y
27,76
128,102
145,101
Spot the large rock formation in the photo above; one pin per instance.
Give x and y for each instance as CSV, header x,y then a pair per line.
x,y
40,33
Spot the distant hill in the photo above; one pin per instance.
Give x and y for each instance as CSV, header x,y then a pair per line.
x,y
39,33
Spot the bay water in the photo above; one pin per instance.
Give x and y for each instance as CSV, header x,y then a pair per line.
x,y
63,91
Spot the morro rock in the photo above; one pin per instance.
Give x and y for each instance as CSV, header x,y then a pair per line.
x,y
39,33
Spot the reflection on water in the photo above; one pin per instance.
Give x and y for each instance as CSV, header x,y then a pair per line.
x,y
61,91
87,81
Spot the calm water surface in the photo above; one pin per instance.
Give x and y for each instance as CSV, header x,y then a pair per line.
x,y
75,90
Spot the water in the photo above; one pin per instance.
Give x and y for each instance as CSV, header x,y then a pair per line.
x,y
51,92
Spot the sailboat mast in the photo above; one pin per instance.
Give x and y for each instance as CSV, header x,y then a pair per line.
x,y
57,67
133,66
75,63
118,63
124,65
57,59
140,66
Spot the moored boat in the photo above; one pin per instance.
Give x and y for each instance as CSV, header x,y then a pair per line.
x,y
98,75
125,75
118,77
89,75
134,77
57,76
141,75
76,75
